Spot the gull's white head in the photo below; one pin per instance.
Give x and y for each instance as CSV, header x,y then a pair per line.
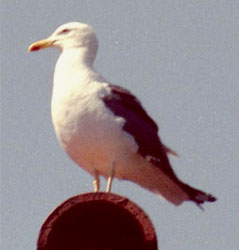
x,y
68,36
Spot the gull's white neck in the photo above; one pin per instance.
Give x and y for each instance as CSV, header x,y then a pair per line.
x,y
76,57
74,63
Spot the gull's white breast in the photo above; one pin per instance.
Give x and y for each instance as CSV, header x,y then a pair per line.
x,y
90,133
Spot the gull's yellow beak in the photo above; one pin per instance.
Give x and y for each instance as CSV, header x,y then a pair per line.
x,y
42,44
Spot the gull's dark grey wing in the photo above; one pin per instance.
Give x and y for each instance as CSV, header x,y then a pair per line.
x,y
140,125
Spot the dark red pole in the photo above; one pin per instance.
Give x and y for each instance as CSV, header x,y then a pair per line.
x,y
94,221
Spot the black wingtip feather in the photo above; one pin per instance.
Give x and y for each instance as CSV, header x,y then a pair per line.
x,y
198,196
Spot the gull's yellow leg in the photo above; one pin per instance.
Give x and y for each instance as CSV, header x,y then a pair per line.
x,y
111,177
96,183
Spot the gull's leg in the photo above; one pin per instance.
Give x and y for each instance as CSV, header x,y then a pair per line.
x,y
96,182
110,178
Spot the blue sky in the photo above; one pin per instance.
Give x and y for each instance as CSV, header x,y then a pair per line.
x,y
180,58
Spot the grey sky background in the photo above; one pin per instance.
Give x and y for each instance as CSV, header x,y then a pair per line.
x,y
180,58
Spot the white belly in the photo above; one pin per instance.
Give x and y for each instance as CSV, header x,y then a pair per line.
x,y
91,134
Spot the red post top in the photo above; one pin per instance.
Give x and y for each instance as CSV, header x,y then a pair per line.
x,y
94,221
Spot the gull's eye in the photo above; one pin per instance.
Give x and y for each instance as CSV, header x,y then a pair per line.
x,y
64,31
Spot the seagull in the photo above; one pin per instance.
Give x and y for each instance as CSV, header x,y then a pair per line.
x,y
103,127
